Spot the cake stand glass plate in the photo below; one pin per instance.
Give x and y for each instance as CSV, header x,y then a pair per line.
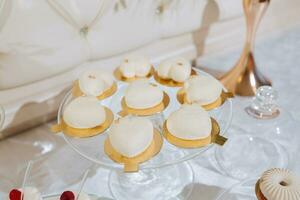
x,y
92,149
244,190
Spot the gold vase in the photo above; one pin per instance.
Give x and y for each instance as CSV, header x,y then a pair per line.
x,y
244,78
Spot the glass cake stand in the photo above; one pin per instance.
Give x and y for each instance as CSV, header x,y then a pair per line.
x,y
244,190
162,177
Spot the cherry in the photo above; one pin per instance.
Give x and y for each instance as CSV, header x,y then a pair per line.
x,y
15,195
67,195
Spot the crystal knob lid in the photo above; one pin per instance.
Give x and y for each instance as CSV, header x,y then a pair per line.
x,y
264,104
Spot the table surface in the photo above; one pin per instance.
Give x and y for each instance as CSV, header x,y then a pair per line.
x,y
278,57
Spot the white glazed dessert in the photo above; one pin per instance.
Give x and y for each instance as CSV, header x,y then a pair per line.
x,y
135,66
30,193
190,122
131,136
279,184
178,69
202,90
95,82
84,112
142,95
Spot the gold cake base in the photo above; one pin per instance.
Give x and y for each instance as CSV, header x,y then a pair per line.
x,y
132,164
83,133
170,82
258,192
119,76
181,98
214,137
145,112
76,92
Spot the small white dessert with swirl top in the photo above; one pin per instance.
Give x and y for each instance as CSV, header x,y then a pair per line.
x,y
280,184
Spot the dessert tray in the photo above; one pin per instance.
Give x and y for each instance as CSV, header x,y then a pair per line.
x,y
92,148
153,176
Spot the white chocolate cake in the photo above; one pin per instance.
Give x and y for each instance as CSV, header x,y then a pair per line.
x,y
280,184
131,136
202,90
84,112
178,69
142,95
190,122
135,66
94,82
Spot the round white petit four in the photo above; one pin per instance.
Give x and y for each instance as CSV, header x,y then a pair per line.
x,y
28,193
202,90
279,184
131,136
178,69
95,82
84,112
135,66
141,95
190,122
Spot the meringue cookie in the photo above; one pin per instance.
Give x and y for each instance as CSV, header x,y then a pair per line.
x,y
31,193
190,122
202,90
84,112
279,184
141,95
178,69
135,66
131,136
94,82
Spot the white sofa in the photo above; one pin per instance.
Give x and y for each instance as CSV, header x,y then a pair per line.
x,y
44,44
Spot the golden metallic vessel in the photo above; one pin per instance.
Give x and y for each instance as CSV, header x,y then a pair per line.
x,y
244,78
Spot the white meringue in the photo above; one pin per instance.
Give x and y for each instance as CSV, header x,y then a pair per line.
x,y
31,193
84,112
131,136
135,66
141,95
279,184
190,122
202,89
178,69
94,82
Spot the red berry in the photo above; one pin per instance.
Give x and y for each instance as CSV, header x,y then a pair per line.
x,y
67,195
15,195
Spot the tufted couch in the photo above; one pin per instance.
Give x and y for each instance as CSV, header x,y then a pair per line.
x,y
44,44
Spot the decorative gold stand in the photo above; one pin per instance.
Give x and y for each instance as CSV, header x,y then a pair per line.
x,y
244,78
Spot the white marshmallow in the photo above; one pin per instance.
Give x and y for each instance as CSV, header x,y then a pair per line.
x,y
140,95
84,112
131,136
94,82
134,65
178,69
202,89
190,122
